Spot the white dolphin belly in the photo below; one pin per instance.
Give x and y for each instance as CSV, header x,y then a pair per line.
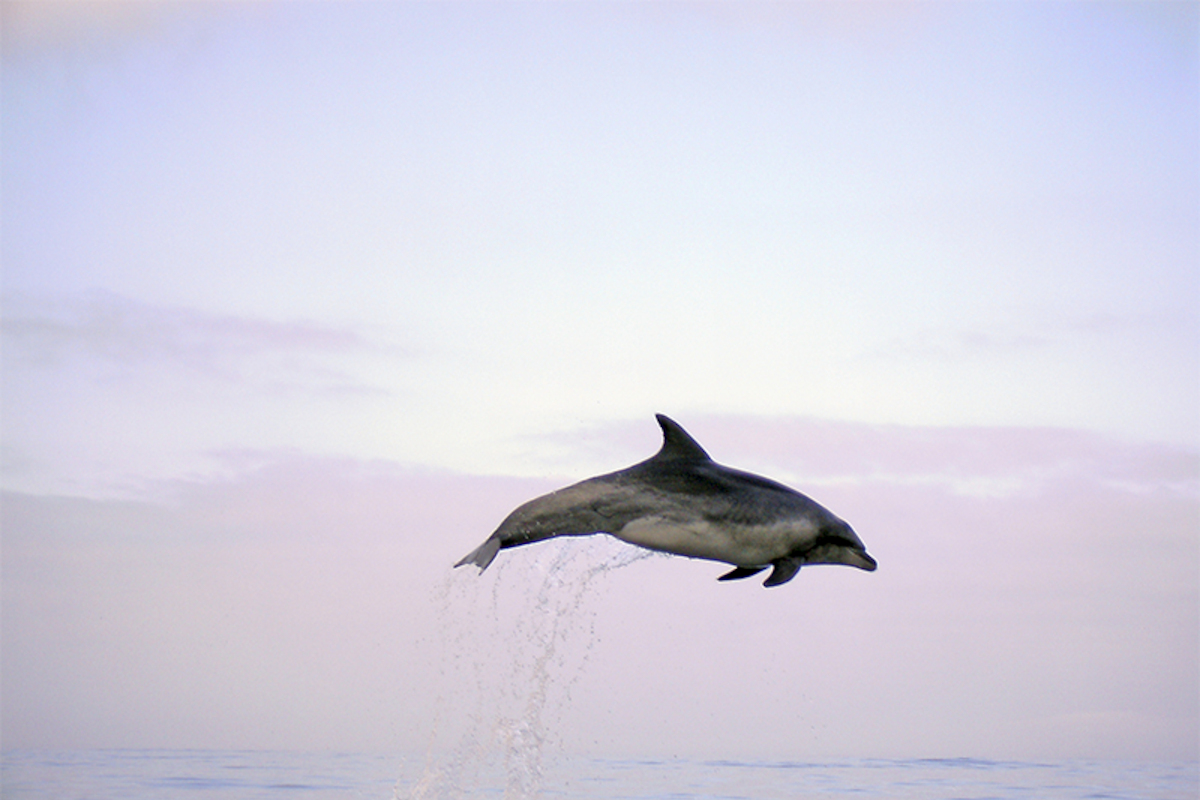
x,y
742,545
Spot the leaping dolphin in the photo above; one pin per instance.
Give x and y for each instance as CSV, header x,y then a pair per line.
x,y
682,502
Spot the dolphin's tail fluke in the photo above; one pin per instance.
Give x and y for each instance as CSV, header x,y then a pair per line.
x,y
482,556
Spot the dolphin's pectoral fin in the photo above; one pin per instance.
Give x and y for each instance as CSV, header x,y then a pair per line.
x,y
482,555
785,570
740,572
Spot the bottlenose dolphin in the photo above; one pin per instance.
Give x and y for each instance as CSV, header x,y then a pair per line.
x,y
682,502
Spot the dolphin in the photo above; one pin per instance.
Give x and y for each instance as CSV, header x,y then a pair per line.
x,y
681,501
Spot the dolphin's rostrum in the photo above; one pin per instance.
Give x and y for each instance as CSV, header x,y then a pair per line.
x,y
681,501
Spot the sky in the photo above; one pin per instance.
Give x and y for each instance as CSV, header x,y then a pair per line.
x,y
300,299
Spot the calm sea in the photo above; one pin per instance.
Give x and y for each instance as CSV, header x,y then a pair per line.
x,y
217,775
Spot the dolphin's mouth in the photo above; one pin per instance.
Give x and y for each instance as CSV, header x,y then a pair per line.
x,y
860,559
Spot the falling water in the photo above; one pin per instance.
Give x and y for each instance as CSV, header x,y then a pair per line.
x,y
515,641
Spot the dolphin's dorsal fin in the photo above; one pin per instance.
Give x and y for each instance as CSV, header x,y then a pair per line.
x,y
677,443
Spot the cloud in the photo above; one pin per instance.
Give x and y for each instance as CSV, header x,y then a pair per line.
x,y
957,344
965,459
125,336
34,27
311,602
229,613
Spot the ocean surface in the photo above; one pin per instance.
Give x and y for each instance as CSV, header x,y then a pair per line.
x,y
223,774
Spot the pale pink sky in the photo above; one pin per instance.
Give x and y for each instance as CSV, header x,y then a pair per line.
x,y
300,299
